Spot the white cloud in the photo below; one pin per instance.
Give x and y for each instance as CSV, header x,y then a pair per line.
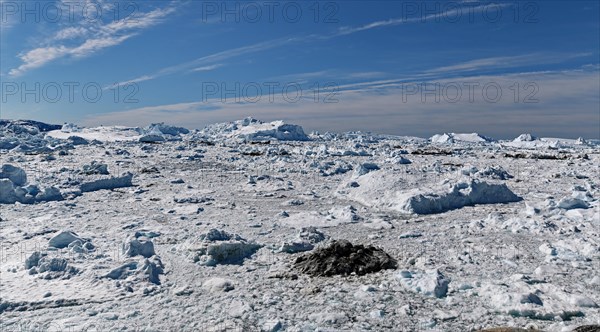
x,y
262,46
41,56
508,62
212,59
368,74
306,75
95,37
329,74
208,68
94,45
138,21
70,33
133,81
448,14
231,53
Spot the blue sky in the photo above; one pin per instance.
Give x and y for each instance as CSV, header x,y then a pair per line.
x,y
398,67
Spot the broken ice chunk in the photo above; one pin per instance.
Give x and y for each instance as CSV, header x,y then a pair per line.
x,y
63,238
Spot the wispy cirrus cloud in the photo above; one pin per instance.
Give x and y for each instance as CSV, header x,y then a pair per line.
x,y
305,76
330,74
126,83
367,74
208,68
450,13
88,37
215,58
144,78
40,56
231,53
508,62
269,44
70,33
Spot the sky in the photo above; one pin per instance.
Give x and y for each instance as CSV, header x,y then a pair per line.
x,y
417,68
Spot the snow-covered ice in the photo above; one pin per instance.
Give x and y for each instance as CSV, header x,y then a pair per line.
x,y
258,226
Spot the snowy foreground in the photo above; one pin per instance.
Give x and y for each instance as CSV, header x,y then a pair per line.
x,y
252,226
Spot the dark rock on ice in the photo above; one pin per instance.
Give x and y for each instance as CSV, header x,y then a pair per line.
x,y
343,258
587,328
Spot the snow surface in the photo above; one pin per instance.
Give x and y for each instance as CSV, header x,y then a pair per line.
x,y
199,230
